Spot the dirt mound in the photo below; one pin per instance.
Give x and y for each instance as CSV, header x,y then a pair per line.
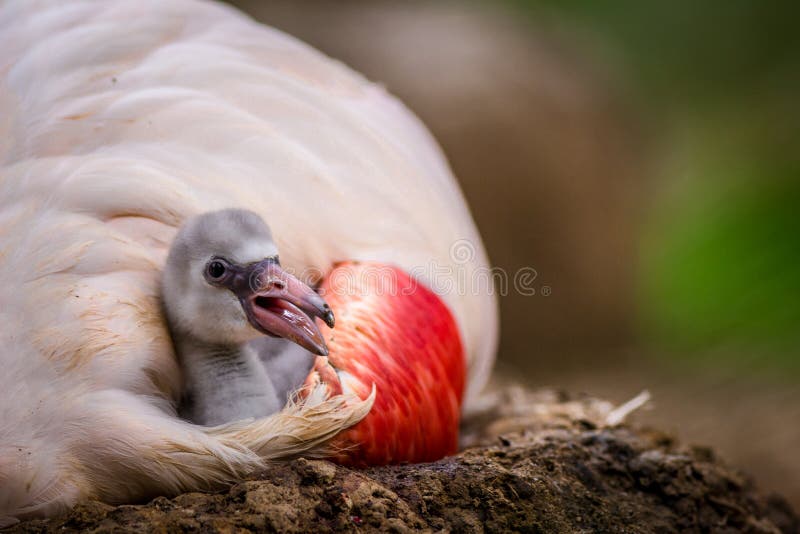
x,y
564,473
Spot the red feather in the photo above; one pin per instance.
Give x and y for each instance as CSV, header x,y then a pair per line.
x,y
394,332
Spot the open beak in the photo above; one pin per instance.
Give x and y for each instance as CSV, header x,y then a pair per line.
x,y
278,304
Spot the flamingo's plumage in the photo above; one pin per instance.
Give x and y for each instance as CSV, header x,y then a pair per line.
x,y
398,335
117,121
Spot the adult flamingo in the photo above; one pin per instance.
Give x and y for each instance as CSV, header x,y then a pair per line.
x,y
119,121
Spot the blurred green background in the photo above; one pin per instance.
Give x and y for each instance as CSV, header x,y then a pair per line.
x,y
720,83
644,158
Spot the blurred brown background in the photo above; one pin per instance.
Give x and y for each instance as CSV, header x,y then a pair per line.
x,y
594,151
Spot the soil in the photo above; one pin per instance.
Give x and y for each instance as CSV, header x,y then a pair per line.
x,y
533,462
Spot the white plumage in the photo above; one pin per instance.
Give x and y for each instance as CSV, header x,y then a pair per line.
x,y
117,121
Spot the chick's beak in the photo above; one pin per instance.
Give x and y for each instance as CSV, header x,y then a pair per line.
x,y
278,304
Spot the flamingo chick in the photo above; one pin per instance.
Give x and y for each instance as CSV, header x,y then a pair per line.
x,y
223,287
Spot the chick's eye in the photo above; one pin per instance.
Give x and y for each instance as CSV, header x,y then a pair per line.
x,y
216,269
